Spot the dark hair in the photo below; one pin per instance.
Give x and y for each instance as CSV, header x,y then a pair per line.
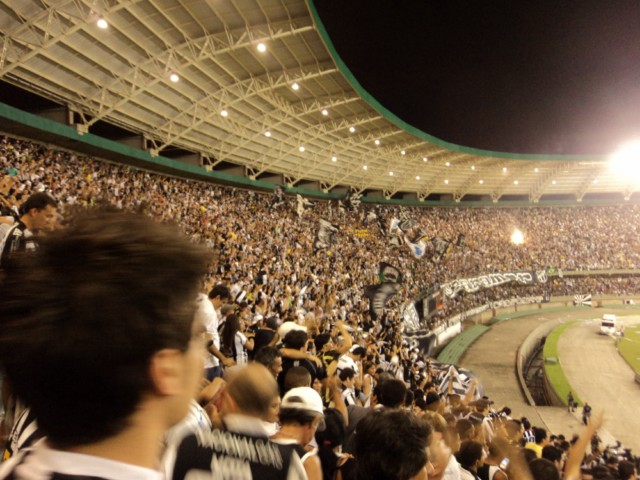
x,y
331,437
296,415
271,322
551,452
39,201
391,393
540,434
295,339
625,470
359,351
221,291
390,444
321,340
463,427
543,469
83,315
470,452
267,356
227,337
346,373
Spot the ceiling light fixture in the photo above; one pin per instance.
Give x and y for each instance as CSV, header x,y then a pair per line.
x,y
515,182
174,77
481,182
377,142
417,177
301,148
295,86
224,113
504,169
267,133
334,159
425,159
364,167
352,129
391,174
325,112
102,23
261,47
446,182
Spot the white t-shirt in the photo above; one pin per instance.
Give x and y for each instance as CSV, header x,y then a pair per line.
x,y
206,314
42,462
345,361
241,352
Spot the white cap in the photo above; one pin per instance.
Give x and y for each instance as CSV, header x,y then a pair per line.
x,y
303,398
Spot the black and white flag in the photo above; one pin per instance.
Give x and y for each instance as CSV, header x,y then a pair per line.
x,y
580,300
302,204
325,235
378,296
440,247
389,273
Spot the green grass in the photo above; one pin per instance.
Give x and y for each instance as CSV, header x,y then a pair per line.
x,y
554,371
629,347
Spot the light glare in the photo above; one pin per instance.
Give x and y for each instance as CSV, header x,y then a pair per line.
x,y
517,237
102,23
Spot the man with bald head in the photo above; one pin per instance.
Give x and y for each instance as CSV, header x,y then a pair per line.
x,y
241,449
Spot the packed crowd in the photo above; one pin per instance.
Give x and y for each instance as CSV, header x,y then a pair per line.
x,y
296,367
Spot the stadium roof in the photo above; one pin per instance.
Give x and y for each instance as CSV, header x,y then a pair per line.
x,y
233,97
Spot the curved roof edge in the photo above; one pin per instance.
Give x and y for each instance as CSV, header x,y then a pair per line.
x,y
28,125
382,110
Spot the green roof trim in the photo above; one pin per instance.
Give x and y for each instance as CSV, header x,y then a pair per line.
x,y
375,104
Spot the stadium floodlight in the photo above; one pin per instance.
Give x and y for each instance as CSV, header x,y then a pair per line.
x,y
517,237
626,161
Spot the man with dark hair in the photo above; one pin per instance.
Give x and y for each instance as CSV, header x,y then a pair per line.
x,y
347,377
543,469
241,449
627,471
555,455
207,313
265,335
392,445
97,335
390,393
271,358
295,355
471,458
36,214
541,439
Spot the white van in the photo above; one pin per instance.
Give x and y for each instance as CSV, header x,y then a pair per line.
x,y
608,324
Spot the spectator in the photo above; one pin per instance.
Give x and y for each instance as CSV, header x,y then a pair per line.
x,y
38,214
103,400
471,458
235,342
392,445
271,358
301,414
242,449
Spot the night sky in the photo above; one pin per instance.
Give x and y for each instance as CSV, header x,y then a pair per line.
x,y
554,77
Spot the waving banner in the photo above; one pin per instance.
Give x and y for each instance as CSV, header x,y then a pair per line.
x,y
491,280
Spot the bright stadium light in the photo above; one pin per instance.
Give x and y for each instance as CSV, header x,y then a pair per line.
x,y
626,160
517,237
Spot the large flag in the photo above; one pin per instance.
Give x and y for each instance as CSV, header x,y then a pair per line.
x,y
324,236
302,204
440,247
389,273
379,295
580,300
418,248
459,382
